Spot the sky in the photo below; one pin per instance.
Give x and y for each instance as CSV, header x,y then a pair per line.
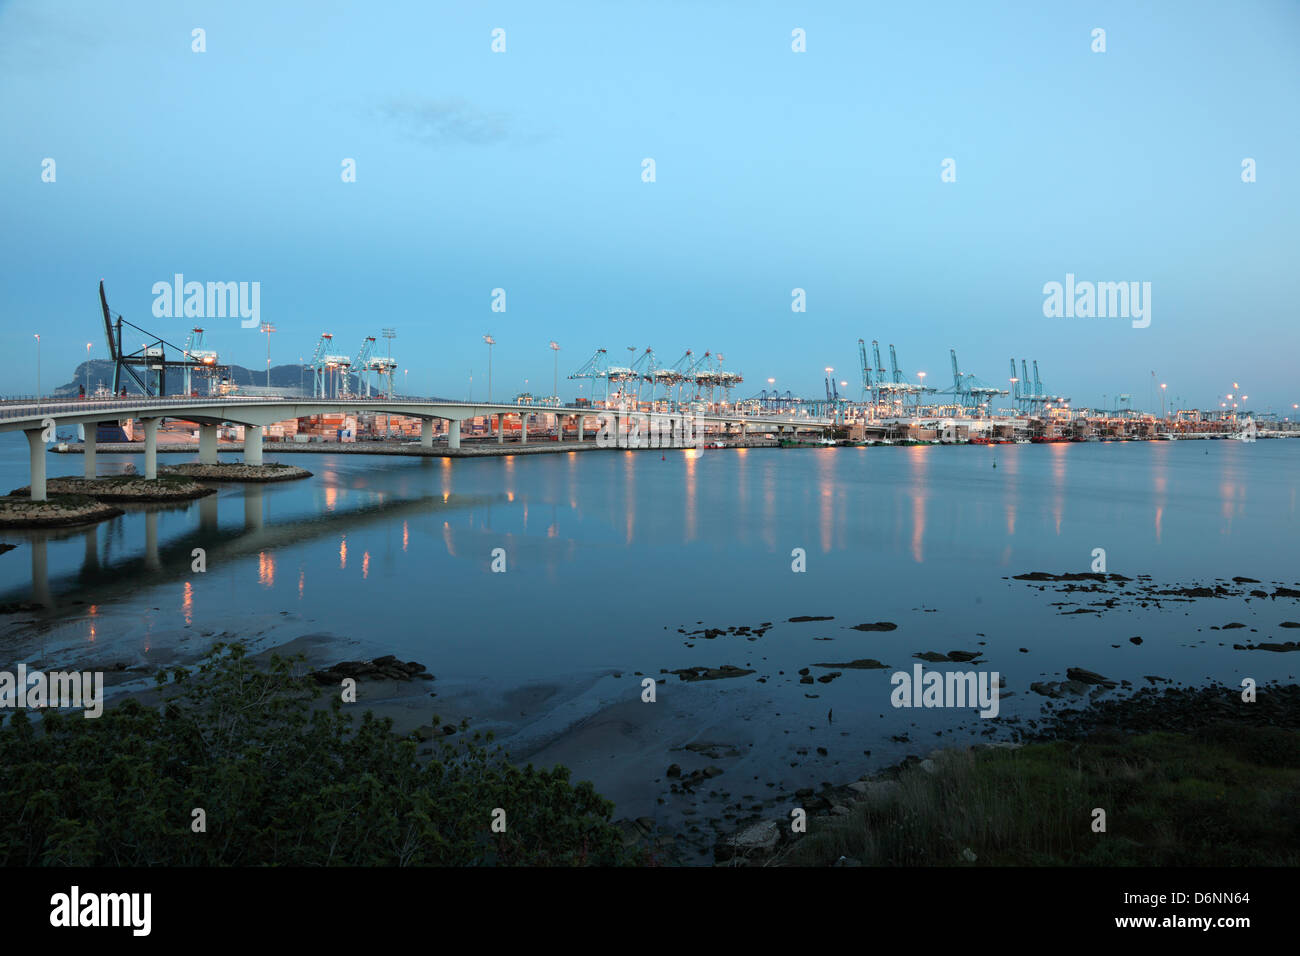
x,y
774,170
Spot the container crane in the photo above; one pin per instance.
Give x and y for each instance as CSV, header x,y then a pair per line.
x,y
318,366
595,368
363,364
644,369
195,352
867,393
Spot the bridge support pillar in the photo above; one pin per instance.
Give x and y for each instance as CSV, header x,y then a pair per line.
x,y
91,429
426,432
559,428
207,444
501,429
453,435
523,428
581,436
252,444
150,447
36,445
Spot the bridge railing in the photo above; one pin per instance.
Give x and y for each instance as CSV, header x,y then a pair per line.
x,y
26,408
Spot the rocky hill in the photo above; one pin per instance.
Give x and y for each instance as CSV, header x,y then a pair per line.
x,y
282,376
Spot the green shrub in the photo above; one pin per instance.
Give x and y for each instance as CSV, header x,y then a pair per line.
x,y
282,782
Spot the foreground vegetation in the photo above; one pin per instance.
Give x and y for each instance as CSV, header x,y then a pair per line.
x,y
280,782
1228,796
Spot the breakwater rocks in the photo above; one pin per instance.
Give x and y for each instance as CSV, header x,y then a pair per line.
x,y
387,667
760,842
124,488
236,471
1183,710
58,511
1139,591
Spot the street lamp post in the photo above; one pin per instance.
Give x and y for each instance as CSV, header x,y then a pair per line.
x,y
268,328
555,383
490,342
921,394
87,369
389,335
38,364
631,354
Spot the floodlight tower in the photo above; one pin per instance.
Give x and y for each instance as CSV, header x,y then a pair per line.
x,y
555,384
268,328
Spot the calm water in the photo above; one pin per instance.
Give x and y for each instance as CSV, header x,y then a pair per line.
x,y
609,553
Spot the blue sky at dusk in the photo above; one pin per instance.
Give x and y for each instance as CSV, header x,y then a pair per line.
x,y
775,170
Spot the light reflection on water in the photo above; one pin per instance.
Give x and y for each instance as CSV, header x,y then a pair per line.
x,y
628,544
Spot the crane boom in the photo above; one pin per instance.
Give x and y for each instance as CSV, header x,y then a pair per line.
x,y
866,369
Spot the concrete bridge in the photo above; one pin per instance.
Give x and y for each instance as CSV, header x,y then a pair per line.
x,y
38,420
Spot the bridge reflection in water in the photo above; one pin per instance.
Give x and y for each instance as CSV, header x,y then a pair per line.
x,y
100,578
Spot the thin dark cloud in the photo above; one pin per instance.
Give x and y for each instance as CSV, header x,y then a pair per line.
x,y
442,122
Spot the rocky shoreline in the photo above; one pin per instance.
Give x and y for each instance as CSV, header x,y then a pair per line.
x,y
236,471
19,511
695,784
1213,711
763,836
74,500
123,488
